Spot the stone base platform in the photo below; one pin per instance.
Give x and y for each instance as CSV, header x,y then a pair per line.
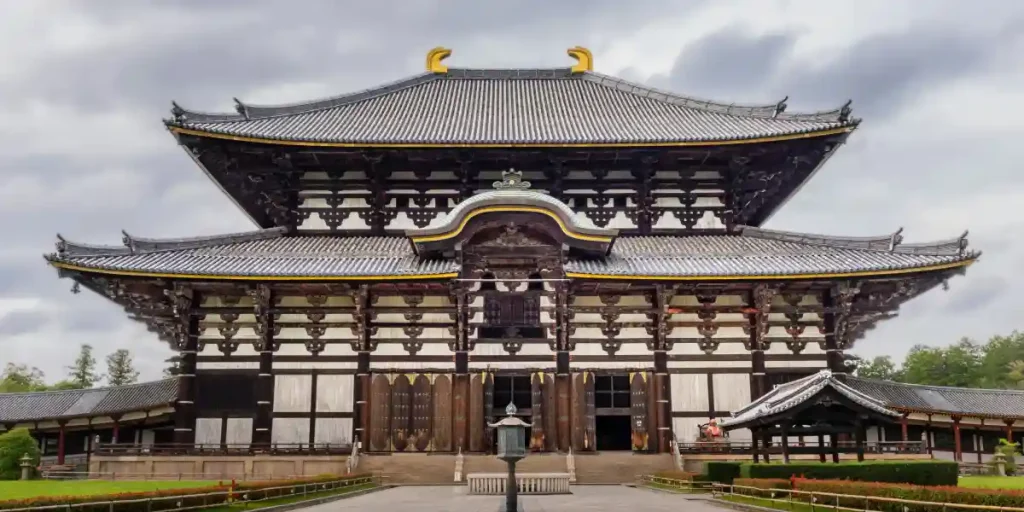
x,y
215,467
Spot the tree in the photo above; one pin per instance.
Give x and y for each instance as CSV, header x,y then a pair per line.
x,y
83,371
958,365
119,368
19,378
999,353
881,368
1016,373
172,368
13,446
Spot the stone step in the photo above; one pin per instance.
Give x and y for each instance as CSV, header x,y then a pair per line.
x,y
619,467
411,468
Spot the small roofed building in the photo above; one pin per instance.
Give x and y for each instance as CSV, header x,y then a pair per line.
x,y
68,424
816,406
429,250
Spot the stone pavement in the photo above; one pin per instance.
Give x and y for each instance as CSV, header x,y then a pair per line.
x,y
593,498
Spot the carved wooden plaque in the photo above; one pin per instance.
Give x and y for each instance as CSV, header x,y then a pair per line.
x,y
476,413
488,411
380,413
442,425
401,410
590,414
422,411
537,400
550,412
638,409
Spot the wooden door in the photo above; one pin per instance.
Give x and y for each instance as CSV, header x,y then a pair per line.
x,y
476,413
442,424
590,413
638,409
422,412
537,402
488,411
563,386
550,413
579,410
401,411
380,414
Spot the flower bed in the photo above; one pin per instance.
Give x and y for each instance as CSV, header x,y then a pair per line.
x,y
172,499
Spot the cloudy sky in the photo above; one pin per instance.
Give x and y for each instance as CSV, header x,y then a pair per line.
x,y
83,86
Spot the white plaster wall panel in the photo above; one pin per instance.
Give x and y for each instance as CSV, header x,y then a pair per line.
x,y
333,431
871,435
290,431
617,365
321,365
511,365
338,349
292,349
293,393
970,421
239,432
227,366
245,348
779,347
917,416
689,392
943,455
148,437
732,391
706,364
686,429
334,393
411,365
810,366
208,431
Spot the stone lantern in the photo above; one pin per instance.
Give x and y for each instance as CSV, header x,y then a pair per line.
x,y
511,432
26,467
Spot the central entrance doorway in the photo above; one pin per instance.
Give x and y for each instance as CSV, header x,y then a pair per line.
x,y
611,407
514,389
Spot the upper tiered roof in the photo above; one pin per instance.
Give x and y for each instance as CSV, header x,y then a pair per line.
x,y
510,107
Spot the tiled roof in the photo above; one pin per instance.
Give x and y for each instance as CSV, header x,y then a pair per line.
x,y
997,403
755,252
510,106
87,402
792,394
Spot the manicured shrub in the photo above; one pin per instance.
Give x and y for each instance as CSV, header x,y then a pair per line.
x,y
13,446
723,472
919,472
176,499
677,475
935,494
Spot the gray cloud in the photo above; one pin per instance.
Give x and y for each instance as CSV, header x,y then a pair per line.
x,y
94,158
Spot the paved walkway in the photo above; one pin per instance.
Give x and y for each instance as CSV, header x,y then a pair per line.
x,y
454,499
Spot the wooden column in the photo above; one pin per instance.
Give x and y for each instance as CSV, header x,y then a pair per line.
x,y
821,447
760,304
460,402
755,433
563,392
1009,430
860,436
833,356
957,448
263,423
978,445
60,441
362,383
785,443
833,440
185,301
116,430
766,440
903,430
928,434
663,389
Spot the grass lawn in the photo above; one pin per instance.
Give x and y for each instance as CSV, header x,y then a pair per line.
x,y
255,505
795,506
13,490
992,482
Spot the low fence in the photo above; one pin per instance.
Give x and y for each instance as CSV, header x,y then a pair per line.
x,y
163,477
197,500
675,483
806,447
792,499
164,449
526,483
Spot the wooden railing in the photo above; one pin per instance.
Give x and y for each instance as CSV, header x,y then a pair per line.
x,y
807,447
831,501
166,449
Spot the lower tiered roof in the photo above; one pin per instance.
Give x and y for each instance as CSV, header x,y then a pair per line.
x,y
272,254
80,403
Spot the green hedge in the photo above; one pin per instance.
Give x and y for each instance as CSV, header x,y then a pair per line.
x,y
918,472
723,472
936,494
178,499
13,446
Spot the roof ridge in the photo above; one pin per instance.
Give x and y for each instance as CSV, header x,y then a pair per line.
x,y
772,111
249,112
140,245
892,243
936,387
88,390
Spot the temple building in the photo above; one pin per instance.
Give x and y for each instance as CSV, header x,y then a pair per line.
x,y
429,250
